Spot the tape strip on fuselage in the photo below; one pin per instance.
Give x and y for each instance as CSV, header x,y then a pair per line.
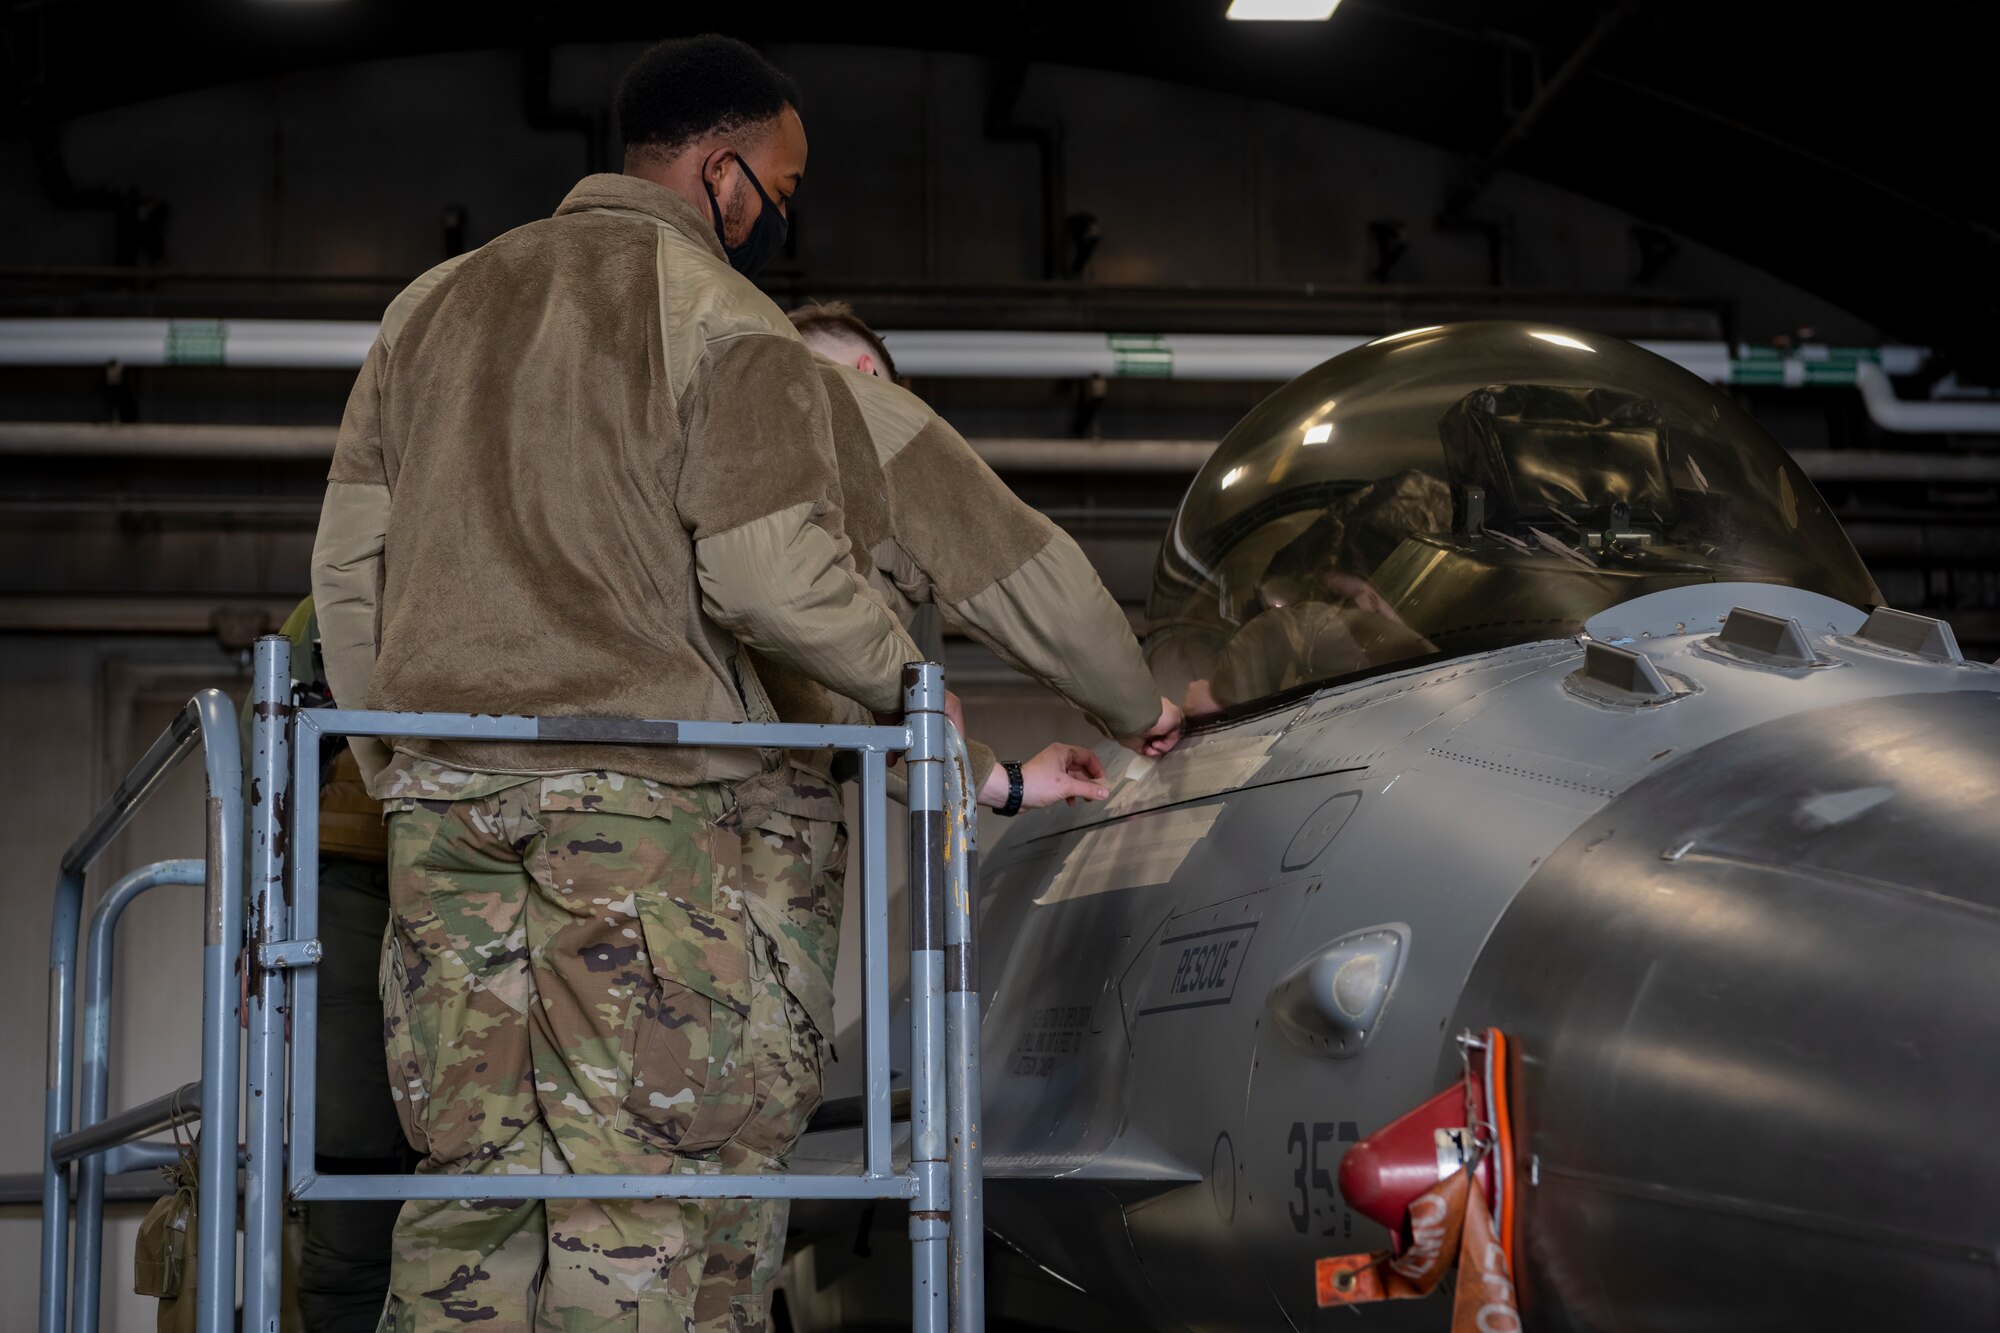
x,y
1134,853
1205,768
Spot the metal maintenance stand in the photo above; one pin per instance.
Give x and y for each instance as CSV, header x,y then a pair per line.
x,y
280,949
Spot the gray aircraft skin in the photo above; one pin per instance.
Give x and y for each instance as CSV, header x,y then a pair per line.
x,y
1729,880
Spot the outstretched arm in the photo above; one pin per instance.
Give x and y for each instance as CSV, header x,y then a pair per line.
x,y
1017,582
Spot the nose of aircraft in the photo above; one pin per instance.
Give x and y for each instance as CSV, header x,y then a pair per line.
x,y
1756,1002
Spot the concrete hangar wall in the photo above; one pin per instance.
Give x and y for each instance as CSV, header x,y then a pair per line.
x,y
378,170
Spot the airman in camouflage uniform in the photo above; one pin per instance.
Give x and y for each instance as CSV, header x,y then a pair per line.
x,y
609,913
589,470
584,471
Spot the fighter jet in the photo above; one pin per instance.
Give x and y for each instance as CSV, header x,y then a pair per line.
x,y
1542,694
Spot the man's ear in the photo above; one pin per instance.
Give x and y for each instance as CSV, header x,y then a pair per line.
x,y
866,365
715,165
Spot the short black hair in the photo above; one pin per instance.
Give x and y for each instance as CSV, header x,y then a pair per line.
x,y
837,319
688,87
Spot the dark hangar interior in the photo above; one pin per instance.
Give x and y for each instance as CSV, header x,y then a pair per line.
x,y
1096,236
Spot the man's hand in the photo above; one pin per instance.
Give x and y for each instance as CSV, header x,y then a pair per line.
x,y
1060,772
1161,737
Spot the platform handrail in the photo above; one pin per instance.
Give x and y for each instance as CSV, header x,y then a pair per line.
x,y
961,1020
285,773
97,1166
169,1110
207,722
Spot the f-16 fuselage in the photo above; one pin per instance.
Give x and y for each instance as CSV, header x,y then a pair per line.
x,y
1744,940
1727,883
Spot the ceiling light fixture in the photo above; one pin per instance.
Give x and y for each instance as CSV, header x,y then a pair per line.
x,y
1319,434
1282,11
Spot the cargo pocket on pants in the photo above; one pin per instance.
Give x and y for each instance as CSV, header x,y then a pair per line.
x,y
692,1086
408,1080
784,1059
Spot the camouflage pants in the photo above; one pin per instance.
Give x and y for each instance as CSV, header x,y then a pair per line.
x,y
797,866
573,990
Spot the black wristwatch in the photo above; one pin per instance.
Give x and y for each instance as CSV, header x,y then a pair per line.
x,y
1015,788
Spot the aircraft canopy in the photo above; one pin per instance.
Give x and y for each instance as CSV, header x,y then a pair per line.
x,y
1456,489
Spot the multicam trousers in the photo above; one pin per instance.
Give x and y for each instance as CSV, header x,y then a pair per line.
x,y
573,990
344,1267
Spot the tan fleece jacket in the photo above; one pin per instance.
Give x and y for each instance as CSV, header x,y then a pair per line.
x,y
582,468
931,522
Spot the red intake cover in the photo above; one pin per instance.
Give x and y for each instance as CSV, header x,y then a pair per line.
x,y
1384,1173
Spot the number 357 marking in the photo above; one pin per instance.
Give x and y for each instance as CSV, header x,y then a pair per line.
x,y
1310,1146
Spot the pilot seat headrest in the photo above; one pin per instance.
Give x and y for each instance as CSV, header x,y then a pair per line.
x,y
1554,453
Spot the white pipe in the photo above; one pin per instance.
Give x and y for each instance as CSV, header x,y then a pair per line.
x,y
296,344
1921,417
83,342
342,344
1887,465
981,355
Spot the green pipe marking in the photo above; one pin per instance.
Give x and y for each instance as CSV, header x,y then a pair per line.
x,y
1144,355
196,342
1766,365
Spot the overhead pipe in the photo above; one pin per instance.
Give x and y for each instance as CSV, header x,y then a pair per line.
x,y
69,439
342,344
1263,358
275,344
1920,417
65,439
72,439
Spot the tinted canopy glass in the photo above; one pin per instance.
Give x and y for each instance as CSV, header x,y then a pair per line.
x,y
1456,489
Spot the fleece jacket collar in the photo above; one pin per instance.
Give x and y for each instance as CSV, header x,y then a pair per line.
x,y
631,194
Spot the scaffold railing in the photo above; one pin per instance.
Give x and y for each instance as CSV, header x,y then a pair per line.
x,y
261,874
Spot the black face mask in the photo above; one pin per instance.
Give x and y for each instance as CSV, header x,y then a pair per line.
x,y
767,233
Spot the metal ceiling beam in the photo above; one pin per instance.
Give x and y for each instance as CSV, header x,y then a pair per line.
x,y
1489,165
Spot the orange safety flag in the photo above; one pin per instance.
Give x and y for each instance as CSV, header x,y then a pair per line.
x,y
1436,1219
1485,1299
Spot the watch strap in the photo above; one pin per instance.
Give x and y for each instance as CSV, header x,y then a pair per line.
x,y
1016,789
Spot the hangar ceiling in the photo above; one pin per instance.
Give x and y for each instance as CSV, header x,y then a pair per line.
x,y
1719,173
1817,142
